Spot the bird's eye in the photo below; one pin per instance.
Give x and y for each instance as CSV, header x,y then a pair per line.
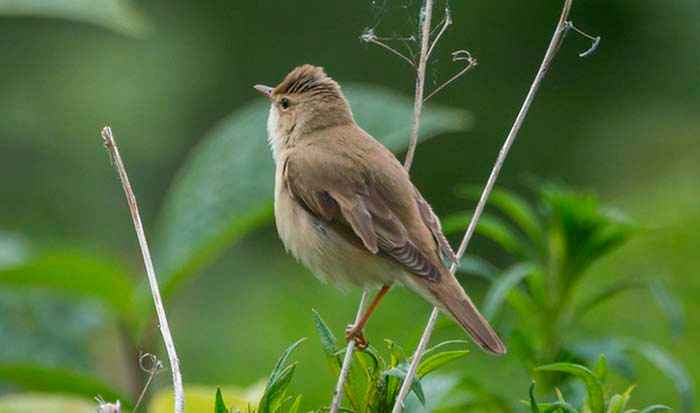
x,y
284,103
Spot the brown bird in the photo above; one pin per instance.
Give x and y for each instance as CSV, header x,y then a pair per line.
x,y
347,209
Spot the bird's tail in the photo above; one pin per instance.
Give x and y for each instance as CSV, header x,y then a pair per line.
x,y
450,297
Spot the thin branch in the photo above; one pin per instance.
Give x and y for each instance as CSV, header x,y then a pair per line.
x,y
347,360
417,109
111,146
369,37
152,368
459,55
427,14
551,52
447,21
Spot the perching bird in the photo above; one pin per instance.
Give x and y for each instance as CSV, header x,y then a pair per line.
x,y
347,209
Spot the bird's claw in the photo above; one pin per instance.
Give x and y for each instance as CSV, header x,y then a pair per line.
x,y
356,335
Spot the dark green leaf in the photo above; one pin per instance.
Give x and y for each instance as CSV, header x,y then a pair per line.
x,y
490,227
57,380
77,274
328,340
514,207
593,386
503,285
471,264
118,15
534,407
225,188
416,387
219,405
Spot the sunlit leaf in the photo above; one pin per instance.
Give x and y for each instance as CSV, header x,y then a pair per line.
x,y
45,403
437,360
503,285
593,386
225,188
118,15
601,368
199,399
618,402
57,380
77,274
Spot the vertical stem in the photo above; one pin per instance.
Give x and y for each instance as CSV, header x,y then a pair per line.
x,y
554,45
426,16
417,110
347,360
179,392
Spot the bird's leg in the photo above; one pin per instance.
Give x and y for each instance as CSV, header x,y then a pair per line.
x,y
354,331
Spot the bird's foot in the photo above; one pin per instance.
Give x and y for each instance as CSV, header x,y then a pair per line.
x,y
355,334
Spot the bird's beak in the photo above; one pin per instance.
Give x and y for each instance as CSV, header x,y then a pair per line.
x,y
265,90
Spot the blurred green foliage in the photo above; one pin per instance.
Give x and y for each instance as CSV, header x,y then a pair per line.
x,y
623,122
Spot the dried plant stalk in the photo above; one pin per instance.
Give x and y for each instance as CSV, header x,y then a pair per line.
x,y
179,393
551,52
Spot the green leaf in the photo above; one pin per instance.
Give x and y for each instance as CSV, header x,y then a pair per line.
x,y
294,408
671,368
328,340
514,207
219,405
416,387
435,361
225,188
77,274
601,368
669,304
490,227
502,287
534,407
601,296
656,408
471,264
618,402
279,380
117,15
593,386
57,380
45,403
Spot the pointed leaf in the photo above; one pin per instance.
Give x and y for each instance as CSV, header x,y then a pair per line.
x,y
593,386
656,408
219,405
490,227
225,188
534,407
503,285
328,340
514,207
435,361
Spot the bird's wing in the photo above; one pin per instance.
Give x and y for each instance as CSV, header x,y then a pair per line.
x,y
336,190
433,223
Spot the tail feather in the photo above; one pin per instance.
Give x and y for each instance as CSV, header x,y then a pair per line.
x,y
450,297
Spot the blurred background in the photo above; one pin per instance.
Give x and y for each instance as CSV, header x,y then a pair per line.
x,y
622,123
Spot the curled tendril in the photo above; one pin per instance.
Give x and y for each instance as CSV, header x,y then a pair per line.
x,y
368,36
457,56
150,364
569,25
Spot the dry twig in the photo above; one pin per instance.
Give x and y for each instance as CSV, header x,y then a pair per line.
x,y
111,146
554,44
